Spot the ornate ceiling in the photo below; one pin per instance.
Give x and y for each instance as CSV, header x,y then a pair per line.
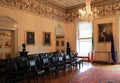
x,y
70,3
67,3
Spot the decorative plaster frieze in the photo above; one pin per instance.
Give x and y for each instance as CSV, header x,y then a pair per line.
x,y
36,7
101,11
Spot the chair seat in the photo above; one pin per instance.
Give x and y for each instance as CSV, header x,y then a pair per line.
x,y
60,67
52,69
29,75
40,72
73,62
67,65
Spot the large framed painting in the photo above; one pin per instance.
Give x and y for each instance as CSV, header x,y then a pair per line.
x,y
104,32
30,37
46,38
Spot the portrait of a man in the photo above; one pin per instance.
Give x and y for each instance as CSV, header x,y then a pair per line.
x,y
47,36
105,32
30,37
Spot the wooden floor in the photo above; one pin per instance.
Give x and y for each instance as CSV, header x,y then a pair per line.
x,y
86,66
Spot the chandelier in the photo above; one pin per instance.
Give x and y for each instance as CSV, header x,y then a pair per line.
x,y
86,13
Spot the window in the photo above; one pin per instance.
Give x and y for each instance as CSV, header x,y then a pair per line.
x,y
84,40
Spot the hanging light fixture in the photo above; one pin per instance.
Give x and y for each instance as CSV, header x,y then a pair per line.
x,y
86,13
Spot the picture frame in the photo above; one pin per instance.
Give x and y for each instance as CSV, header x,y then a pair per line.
x,y
0,43
57,43
8,43
104,32
62,43
46,38
30,37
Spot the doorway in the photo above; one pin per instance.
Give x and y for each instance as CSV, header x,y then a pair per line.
x,y
5,44
8,37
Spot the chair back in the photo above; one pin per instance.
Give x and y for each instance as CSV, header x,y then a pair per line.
x,y
23,65
42,55
60,59
67,57
10,67
32,65
45,61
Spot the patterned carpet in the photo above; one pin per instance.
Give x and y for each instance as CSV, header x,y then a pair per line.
x,y
96,75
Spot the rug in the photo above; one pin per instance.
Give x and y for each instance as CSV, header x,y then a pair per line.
x,y
96,75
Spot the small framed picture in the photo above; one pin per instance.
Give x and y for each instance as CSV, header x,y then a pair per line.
x,y
62,43
30,37
57,43
8,43
46,38
0,43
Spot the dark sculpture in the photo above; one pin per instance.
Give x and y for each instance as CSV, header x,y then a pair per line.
x,y
24,46
68,45
68,49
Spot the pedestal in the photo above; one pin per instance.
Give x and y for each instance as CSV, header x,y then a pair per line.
x,y
68,50
24,54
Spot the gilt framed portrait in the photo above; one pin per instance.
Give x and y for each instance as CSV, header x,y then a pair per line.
x,y
46,38
104,32
30,37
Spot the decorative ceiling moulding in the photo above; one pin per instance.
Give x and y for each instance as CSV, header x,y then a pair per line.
x,y
66,4
53,5
105,2
94,4
108,9
35,7
50,10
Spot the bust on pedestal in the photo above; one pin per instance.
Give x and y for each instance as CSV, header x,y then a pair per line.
x,y
68,49
24,53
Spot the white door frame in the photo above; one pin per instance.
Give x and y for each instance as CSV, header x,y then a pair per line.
x,y
9,24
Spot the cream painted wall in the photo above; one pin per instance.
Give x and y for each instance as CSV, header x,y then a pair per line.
x,y
105,47
70,33
31,22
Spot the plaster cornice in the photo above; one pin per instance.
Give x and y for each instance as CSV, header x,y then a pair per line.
x,y
53,11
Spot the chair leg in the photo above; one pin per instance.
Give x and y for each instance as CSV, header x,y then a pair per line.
x,y
82,62
43,78
64,70
79,64
49,75
37,78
